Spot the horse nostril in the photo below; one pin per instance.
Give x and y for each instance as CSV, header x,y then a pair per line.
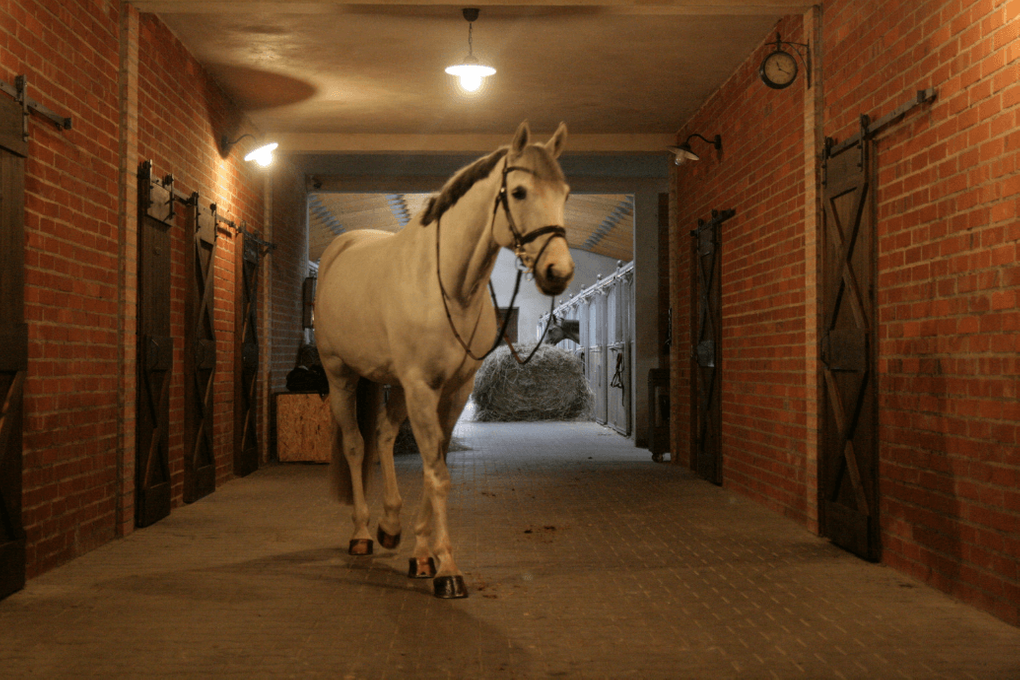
x,y
550,273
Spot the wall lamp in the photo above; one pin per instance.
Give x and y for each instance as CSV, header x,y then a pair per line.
x,y
263,154
683,153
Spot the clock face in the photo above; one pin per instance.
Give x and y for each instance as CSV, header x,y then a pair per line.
x,y
778,70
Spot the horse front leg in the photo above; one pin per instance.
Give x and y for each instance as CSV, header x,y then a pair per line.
x,y
423,409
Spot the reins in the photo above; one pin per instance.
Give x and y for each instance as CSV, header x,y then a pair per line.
x,y
520,240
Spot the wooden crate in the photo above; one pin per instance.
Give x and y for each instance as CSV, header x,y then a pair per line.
x,y
304,427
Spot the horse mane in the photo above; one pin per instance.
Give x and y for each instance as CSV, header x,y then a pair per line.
x,y
466,177
460,183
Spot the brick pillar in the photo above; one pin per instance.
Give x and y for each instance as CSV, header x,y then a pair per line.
x,y
814,140
127,274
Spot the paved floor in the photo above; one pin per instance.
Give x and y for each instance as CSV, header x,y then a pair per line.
x,y
584,560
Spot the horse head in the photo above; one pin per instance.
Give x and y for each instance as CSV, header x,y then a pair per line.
x,y
533,194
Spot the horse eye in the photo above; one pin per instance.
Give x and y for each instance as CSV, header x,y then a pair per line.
x,y
519,193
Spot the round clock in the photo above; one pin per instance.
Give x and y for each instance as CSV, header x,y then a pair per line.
x,y
778,70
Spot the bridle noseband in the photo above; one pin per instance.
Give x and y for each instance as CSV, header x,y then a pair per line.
x,y
520,240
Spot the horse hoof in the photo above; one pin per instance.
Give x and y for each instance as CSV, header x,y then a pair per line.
x,y
425,568
386,540
360,546
449,587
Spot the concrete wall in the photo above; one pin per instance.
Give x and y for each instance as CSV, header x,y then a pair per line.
x,y
288,267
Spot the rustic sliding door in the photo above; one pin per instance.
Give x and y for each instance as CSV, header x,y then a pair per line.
x,y
14,343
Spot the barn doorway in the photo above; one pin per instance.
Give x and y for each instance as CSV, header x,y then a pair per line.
x,y
618,213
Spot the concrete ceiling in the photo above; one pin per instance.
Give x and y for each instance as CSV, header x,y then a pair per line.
x,y
327,78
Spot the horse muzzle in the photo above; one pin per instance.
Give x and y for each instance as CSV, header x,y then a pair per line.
x,y
554,268
552,283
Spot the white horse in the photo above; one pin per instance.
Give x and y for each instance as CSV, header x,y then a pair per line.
x,y
411,310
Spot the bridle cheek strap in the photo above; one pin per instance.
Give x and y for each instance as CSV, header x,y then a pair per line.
x,y
521,240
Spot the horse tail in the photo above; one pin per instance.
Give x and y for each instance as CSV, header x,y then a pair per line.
x,y
367,406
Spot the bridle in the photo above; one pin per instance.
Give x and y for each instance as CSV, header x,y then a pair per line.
x,y
519,242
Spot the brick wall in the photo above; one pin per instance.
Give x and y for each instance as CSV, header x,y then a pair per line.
x,y
759,174
79,218
71,291
181,117
948,323
949,326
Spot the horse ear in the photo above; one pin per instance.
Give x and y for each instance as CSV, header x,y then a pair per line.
x,y
557,141
521,138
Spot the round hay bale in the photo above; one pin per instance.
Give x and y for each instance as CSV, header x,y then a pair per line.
x,y
550,387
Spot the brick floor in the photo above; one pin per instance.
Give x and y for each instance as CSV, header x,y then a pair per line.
x,y
584,560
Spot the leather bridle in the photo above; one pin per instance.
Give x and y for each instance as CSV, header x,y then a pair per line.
x,y
519,242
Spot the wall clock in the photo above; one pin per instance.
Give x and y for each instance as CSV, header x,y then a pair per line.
x,y
779,69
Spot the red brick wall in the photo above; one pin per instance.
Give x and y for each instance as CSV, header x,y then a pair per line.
x,y
182,115
79,303
71,207
948,275
949,326
760,175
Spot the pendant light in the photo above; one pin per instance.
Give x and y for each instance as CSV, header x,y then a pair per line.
x,y
470,71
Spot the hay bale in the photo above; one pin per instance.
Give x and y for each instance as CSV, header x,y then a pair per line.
x,y
550,387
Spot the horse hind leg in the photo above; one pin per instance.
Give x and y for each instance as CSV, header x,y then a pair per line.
x,y
351,463
394,412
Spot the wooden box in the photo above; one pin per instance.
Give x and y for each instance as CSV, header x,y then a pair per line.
x,y
304,427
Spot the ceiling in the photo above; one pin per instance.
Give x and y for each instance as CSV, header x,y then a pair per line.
x,y
327,78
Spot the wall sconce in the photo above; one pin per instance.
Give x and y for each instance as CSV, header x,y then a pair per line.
x,y
683,153
263,154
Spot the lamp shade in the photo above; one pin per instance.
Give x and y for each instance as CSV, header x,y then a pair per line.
x,y
470,72
684,153
263,155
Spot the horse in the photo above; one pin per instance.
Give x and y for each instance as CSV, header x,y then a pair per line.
x,y
563,329
411,310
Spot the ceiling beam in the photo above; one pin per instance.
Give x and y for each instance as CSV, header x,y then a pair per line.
x,y
305,142
673,7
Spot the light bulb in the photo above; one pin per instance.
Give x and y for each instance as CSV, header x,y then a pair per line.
x,y
471,83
